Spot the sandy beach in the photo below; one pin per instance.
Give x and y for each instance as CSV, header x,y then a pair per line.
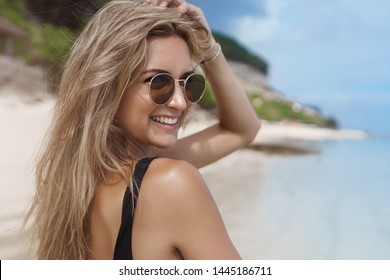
x,y
22,128
24,120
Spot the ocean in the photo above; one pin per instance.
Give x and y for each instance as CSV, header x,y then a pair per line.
x,y
335,205
331,205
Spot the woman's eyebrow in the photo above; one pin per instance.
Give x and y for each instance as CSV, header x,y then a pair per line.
x,y
186,74
154,70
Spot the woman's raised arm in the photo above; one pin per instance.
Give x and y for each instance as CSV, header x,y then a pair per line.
x,y
238,122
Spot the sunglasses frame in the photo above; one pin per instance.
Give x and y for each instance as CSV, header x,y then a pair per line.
x,y
182,84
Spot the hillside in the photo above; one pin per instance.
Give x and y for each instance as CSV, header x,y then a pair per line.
x,y
236,52
251,70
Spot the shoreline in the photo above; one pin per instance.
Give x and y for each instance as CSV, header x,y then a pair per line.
x,y
287,138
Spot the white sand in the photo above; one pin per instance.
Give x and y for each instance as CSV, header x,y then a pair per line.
x,y
22,127
23,121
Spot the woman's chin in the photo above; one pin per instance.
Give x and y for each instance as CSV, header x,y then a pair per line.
x,y
168,142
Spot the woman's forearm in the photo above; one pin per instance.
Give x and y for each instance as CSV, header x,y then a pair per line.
x,y
235,112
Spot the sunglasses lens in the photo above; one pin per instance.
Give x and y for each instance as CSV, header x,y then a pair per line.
x,y
195,87
162,87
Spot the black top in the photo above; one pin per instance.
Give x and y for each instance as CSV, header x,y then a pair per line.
x,y
123,249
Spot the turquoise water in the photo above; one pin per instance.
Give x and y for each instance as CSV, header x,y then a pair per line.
x,y
335,205
332,205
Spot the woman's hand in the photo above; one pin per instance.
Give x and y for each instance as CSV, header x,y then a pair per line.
x,y
183,7
193,12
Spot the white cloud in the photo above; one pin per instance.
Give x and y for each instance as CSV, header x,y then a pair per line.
x,y
329,52
314,45
254,30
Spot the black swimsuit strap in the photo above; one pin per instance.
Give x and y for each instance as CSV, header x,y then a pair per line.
x,y
123,248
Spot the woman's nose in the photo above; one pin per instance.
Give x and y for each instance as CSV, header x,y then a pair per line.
x,y
178,101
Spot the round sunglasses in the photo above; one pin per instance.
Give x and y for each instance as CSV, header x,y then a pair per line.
x,y
162,87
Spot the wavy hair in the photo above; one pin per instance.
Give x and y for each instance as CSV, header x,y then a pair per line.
x,y
84,144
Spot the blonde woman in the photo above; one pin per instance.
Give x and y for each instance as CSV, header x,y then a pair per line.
x,y
113,180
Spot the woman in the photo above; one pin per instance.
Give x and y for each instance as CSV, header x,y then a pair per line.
x,y
124,94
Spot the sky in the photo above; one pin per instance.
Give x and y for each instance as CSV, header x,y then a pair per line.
x,y
334,54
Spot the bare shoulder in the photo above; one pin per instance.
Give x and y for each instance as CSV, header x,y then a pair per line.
x,y
168,188
174,179
183,211
167,168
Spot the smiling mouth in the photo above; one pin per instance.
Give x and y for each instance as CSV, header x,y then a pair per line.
x,y
165,120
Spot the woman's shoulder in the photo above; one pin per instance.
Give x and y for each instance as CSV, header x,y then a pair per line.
x,y
175,201
172,191
174,186
175,189
173,177
167,168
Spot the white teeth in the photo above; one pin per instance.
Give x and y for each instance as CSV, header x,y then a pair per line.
x,y
165,120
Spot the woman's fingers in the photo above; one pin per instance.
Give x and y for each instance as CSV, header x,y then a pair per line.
x,y
157,3
180,4
197,14
183,7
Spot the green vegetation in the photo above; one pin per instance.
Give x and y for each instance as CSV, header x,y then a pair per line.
x,y
13,11
208,100
46,44
53,43
275,110
234,51
281,110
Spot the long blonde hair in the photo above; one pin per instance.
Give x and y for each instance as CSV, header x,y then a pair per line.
x,y
84,144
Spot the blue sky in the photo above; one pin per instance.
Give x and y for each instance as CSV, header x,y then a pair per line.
x,y
332,53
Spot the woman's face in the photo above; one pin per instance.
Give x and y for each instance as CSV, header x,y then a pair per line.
x,y
146,123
